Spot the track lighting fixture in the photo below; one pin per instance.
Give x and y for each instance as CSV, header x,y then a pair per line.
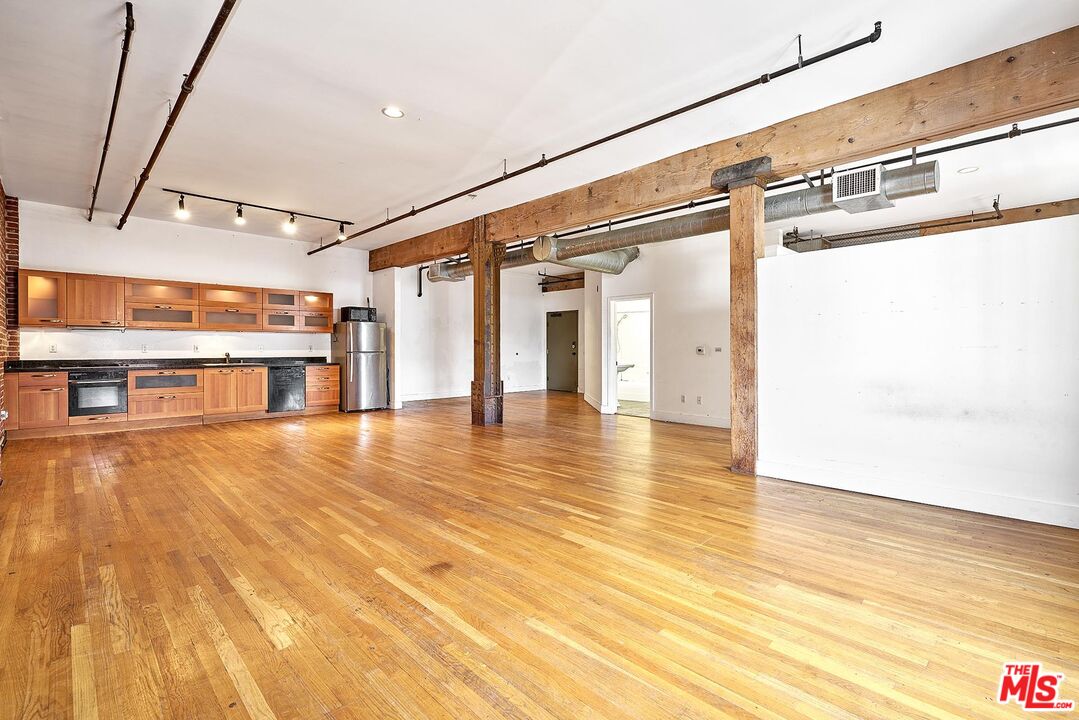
x,y
182,212
288,226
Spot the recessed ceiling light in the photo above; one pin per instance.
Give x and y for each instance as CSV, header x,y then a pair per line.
x,y
967,170
392,111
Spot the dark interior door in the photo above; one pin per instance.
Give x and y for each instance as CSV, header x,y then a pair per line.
x,y
562,350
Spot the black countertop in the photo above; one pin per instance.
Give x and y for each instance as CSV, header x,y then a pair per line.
x,y
159,363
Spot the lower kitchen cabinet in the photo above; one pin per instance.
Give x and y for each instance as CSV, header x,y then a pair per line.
x,y
235,390
251,389
323,386
165,405
219,391
43,406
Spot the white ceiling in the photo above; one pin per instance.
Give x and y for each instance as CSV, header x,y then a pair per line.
x,y
287,110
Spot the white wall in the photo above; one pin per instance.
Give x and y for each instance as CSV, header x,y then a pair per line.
x,y
59,238
434,336
567,301
941,370
689,281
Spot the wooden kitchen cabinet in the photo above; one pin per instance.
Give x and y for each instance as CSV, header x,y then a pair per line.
x,y
219,391
161,292
95,301
165,381
280,320
316,301
273,299
11,400
42,298
230,296
164,405
318,322
323,385
162,316
43,406
251,389
230,318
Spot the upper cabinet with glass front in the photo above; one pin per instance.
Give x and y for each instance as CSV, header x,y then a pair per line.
x,y
57,299
42,298
230,296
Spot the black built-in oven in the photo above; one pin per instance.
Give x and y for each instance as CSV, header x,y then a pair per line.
x,y
96,392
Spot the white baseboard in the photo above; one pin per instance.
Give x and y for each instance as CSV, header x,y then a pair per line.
x,y
1034,510
599,406
691,419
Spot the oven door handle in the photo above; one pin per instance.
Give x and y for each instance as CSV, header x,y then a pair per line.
x,y
97,382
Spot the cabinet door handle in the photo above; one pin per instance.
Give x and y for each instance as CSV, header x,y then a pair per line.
x,y
163,307
100,417
166,372
51,320
53,389
45,375
110,322
231,310
166,397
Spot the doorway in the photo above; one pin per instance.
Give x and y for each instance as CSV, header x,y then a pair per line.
x,y
632,339
562,351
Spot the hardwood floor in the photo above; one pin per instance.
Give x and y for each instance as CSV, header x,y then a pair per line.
x,y
566,565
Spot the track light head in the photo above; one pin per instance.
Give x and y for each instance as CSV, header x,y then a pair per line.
x,y
240,219
290,225
341,232
181,212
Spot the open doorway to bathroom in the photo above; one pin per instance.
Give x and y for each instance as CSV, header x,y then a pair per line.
x,y
632,339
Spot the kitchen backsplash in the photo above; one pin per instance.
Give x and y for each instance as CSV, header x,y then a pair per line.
x,y
106,344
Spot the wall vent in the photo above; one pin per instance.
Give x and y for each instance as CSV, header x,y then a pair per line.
x,y
860,190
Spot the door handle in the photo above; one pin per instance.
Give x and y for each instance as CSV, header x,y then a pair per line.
x,y
51,320
231,310
166,372
45,375
60,389
166,397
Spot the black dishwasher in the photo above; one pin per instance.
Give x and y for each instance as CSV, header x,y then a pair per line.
x,y
288,388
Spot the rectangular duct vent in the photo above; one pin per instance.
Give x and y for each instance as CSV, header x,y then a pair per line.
x,y
860,189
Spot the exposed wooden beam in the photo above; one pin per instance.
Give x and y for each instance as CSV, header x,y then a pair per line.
x,y
447,241
1041,211
570,281
486,261
1032,79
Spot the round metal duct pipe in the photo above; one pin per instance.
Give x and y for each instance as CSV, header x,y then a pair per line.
x,y
611,262
456,272
896,184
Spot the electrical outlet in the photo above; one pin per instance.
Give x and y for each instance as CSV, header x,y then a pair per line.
x,y
699,400
52,348
261,348
195,348
310,348
144,348
683,399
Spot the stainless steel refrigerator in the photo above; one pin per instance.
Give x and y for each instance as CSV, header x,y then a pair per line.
x,y
360,349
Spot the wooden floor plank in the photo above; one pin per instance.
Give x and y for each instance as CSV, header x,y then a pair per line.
x,y
564,565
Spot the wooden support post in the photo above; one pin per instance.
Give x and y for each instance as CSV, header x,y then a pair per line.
x,y
745,183
486,258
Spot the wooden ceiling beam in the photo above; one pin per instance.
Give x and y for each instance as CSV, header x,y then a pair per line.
x,y
1025,81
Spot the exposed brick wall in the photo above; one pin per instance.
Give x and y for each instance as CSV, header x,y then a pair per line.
x,y
11,276
3,313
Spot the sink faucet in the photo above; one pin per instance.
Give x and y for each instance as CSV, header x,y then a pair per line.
x,y
228,358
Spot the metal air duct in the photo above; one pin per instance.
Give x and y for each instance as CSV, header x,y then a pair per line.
x,y
896,184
